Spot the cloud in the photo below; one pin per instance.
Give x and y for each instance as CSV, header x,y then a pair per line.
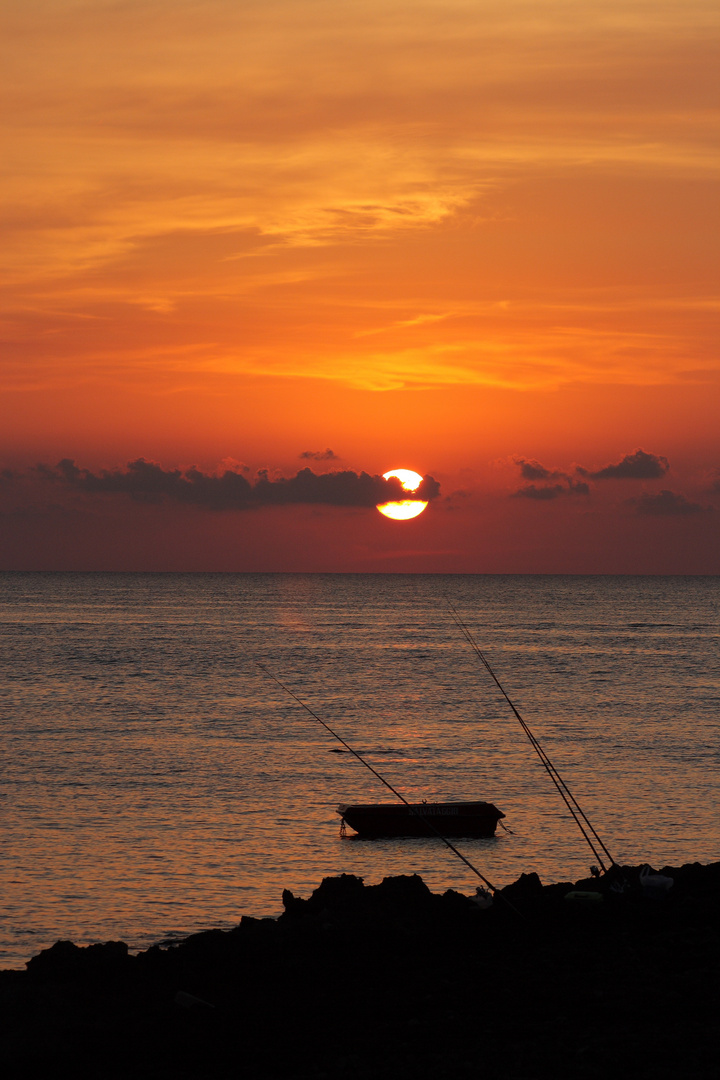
x,y
457,499
231,464
667,504
636,466
146,481
534,470
530,491
320,455
552,491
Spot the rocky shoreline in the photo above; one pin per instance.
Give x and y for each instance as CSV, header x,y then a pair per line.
x,y
616,976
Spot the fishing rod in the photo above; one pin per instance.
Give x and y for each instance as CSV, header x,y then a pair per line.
x,y
382,779
567,796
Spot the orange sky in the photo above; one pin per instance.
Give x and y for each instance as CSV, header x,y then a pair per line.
x,y
447,235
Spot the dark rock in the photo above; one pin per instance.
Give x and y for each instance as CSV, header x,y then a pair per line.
x,y
64,960
453,902
332,894
402,891
336,892
392,982
527,887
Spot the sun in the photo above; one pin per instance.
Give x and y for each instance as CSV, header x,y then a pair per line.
x,y
404,509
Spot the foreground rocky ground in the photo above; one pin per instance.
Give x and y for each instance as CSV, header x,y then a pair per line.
x,y
391,981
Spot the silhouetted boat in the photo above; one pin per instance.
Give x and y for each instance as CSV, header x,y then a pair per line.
x,y
453,819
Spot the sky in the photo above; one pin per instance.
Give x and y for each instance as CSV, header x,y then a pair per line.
x,y
259,252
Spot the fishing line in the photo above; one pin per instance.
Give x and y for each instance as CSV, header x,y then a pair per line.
x,y
565,793
568,798
382,780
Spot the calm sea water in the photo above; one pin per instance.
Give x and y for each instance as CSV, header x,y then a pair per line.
x,y
156,782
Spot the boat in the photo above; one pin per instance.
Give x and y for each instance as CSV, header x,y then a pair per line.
x,y
372,821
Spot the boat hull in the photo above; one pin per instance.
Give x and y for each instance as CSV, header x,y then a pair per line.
x,y
456,820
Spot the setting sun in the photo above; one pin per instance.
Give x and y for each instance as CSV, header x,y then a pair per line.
x,y
404,509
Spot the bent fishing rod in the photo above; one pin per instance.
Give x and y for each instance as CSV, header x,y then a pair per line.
x,y
589,834
382,780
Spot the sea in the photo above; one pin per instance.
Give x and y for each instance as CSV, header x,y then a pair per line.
x,y
162,772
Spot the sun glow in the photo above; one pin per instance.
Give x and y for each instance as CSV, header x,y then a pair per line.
x,y
404,509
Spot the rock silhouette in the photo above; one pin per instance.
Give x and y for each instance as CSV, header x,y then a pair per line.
x,y
601,977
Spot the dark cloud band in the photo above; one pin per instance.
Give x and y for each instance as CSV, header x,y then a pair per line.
x,y
667,504
146,481
320,455
563,483
636,466
552,491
